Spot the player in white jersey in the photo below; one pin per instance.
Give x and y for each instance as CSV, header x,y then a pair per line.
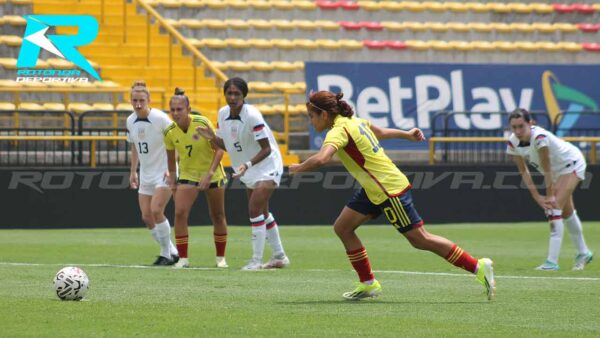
x,y
145,133
563,167
256,160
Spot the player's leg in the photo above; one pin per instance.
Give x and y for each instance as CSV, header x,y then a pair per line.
x,y
185,196
161,197
565,186
257,195
401,213
345,228
145,202
215,198
278,258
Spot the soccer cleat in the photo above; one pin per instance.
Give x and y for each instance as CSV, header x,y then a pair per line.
x,y
485,276
253,265
221,262
582,260
162,261
364,291
175,258
182,263
547,266
277,262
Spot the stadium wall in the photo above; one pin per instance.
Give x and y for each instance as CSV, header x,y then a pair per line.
x,y
442,194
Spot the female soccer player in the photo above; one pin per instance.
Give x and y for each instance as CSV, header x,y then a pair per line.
x,y
200,169
145,133
255,156
385,190
563,167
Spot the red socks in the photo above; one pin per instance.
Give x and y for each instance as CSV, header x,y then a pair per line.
x,y
360,261
460,258
182,245
220,244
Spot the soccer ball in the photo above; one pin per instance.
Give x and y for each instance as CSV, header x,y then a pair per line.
x,y
71,283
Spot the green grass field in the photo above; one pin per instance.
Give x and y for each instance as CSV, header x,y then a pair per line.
x,y
422,294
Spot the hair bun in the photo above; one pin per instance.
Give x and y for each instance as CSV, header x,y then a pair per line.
x,y
179,91
339,96
138,83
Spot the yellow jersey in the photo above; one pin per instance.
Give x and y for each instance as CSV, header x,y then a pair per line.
x,y
195,155
365,160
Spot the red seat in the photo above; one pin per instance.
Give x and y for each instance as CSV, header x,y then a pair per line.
x,y
584,8
374,44
371,26
588,27
394,44
329,5
591,46
350,5
564,8
351,26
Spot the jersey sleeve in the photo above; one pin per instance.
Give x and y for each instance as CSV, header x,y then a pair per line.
x,y
510,149
128,131
169,145
540,141
257,123
164,121
337,137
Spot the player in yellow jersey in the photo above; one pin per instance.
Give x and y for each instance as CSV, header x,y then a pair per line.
x,y
385,189
200,169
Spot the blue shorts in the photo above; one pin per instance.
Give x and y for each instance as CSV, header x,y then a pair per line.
x,y
399,210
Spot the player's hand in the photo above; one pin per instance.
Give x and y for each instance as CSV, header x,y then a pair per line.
x,y
204,132
551,202
204,183
133,180
541,201
293,168
416,134
239,172
171,182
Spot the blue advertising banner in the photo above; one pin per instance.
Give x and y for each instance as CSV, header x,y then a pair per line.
x,y
408,95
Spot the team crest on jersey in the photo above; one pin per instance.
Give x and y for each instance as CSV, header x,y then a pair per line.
x,y
234,132
141,133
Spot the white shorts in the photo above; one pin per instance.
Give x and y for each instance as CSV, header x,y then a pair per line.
x,y
148,188
251,177
578,169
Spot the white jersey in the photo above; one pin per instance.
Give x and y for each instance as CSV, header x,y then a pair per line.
x,y
240,136
564,157
147,136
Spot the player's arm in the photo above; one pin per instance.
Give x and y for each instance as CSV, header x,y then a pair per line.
x,y
415,134
265,151
317,160
526,176
172,167
544,154
133,177
209,134
216,161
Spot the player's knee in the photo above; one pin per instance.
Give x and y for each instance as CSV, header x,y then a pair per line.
x,y
148,219
419,243
218,217
341,232
158,215
181,213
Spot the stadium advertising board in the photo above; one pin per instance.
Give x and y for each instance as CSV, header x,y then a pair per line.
x,y
407,95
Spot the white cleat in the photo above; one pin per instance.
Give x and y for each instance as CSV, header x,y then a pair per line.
x,y
221,262
582,260
252,266
277,262
182,263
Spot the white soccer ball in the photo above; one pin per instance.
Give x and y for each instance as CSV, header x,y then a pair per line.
x,y
71,283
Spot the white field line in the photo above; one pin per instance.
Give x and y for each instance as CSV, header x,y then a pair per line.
x,y
123,266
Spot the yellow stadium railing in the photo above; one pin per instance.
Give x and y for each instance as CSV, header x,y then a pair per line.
x,y
433,140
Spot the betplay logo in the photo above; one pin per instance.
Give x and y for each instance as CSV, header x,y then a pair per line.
x,y
60,45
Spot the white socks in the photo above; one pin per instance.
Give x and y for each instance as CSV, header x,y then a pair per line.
x,y
575,231
162,234
556,234
259,233
273,236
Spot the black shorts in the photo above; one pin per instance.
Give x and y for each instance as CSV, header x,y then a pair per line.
x,y
212,185
399,210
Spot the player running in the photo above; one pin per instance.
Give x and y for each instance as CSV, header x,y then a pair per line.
x,y
256,160
385,190
563,167
200,169
145,133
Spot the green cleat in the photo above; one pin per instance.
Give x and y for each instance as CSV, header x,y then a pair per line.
x,y
364,291
582,260
485,276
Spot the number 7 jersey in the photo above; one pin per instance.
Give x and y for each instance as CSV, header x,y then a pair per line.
x,y
146,134
195,152
363,157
